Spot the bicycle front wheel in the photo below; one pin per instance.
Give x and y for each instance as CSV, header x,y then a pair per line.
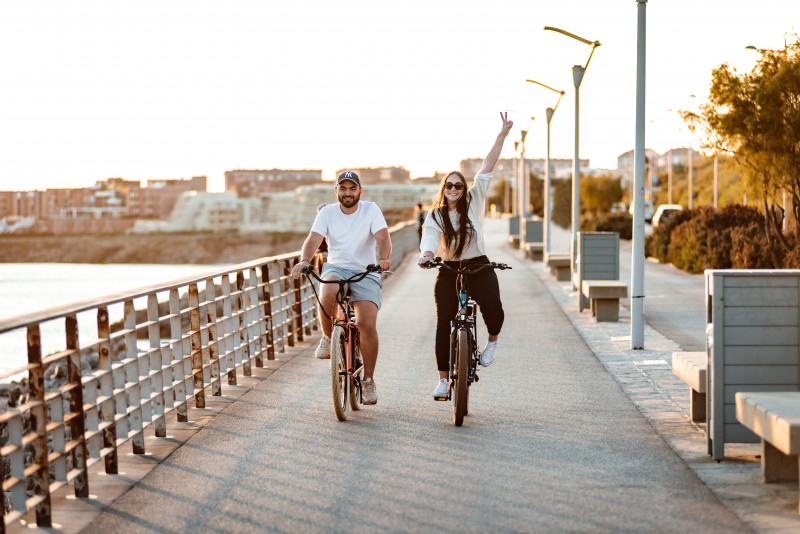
x,y
461,390
340,381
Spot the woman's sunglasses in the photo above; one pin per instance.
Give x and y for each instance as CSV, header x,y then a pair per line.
x,y
450,185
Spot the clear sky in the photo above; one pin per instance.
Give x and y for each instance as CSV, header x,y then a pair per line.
x,y
171,89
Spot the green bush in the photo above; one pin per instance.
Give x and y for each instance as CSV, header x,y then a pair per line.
x,y
749,248
705,238
621,223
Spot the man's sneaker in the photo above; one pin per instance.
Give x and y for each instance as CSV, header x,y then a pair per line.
x,y
368,393
323,351
488,353
440,393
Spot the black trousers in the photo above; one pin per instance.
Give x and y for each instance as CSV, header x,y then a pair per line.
x,y
483,287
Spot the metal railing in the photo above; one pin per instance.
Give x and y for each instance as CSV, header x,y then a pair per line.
x,y
186,338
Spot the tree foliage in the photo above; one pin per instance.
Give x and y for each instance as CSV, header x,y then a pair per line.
x,y
756,117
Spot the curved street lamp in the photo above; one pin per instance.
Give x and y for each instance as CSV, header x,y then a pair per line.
x,y
549,112
577,77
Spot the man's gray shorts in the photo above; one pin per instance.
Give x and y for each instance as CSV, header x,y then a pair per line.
x,y
367,289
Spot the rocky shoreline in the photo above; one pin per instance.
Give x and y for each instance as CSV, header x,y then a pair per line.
x,y
203,248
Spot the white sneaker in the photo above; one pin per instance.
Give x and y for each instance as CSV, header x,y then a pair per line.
x,y
440,393
368,392
323,351
488,353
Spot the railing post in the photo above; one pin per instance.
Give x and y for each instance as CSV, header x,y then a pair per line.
x,y
267,297
178,355
107,414
286,290
230,330
258,317
213,338
197,348
155,360
133,373
298,307
41,478
241,332
76,426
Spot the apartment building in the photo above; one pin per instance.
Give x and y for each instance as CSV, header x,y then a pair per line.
x,y
157,200
212,212
254,183
379,175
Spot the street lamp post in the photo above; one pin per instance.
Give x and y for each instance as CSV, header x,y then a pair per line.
x,y
669,177
523,195
716,173
577,77
637,248
691,167
547,193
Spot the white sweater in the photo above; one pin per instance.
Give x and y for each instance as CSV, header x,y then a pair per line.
x,y
433,234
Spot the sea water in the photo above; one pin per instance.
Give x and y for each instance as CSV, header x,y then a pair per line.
x,y
33,287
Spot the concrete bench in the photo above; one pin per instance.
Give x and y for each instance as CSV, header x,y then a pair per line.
x,y
775,417
559,266
604,298
753,338
534,251
597,259
691,368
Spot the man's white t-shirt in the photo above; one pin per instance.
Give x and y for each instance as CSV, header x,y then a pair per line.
x,y
351,237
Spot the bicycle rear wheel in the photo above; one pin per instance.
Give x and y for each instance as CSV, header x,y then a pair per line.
x,y
354,400
340,381
461,390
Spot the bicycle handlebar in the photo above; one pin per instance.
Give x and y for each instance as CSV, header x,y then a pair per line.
x,y
437,263
371,268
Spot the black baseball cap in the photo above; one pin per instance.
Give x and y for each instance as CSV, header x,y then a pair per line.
x,y
348,175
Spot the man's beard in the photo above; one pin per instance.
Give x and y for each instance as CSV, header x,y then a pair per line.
x,y
349,201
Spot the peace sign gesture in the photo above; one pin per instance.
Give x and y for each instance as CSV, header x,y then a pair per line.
x,y
507,124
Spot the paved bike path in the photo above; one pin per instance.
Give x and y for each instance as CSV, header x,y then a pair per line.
x,y
552,444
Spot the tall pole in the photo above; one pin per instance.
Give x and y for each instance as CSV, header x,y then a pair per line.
x,y
521,193
513,200
716,173
637,254
577,77
691,168
549,112
669,177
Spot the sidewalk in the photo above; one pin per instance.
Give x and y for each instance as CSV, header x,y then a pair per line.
x,y
646,378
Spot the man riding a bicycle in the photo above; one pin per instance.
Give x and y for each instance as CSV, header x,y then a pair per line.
x,y
352,228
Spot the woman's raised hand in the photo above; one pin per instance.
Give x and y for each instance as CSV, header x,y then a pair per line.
x,y
507,124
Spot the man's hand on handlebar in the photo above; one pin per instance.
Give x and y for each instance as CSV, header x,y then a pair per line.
x,y
301,268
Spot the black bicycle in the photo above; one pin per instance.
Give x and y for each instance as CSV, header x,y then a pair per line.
x,y
347,367
464,355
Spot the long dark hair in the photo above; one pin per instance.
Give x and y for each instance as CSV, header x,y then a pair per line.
x,y
454,241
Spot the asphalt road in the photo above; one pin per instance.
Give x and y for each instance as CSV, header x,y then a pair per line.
x,y
674,300
551,443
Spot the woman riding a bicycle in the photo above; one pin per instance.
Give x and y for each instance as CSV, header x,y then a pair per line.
x,y
453,229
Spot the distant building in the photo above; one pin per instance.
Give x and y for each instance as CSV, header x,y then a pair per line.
x,y
157,200
506,168
254,183
379,175
654,162
212,212
296,210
